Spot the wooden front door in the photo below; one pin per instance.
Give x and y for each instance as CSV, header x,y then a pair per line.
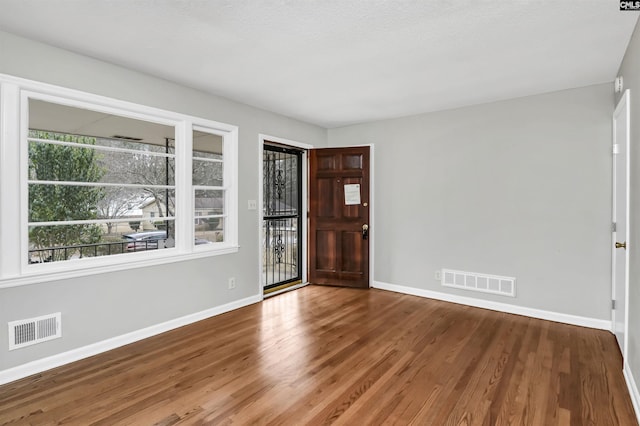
x,y
339,216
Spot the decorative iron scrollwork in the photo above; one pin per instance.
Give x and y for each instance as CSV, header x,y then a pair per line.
x,y
278,247
282,220
279,182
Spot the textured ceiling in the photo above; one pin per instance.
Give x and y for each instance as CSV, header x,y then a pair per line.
x,y
337,62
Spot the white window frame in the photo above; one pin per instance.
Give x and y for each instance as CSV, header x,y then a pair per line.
x,y
229,173
14,240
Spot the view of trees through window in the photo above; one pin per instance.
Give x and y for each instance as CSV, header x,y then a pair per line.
x,y
208,184
101,184
48,203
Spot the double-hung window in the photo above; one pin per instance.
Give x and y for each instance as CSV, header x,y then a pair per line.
x,y
106,183
208,180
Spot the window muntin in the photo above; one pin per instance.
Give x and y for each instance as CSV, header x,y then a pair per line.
x,y
209,191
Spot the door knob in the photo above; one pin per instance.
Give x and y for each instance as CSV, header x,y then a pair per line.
x,y
365,231
621,245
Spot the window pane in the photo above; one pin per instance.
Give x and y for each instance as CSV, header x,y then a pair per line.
x,y
127,189
109,128
209,230
209,202
207,159
207,173
66,242
49,203
207,145
100,142
137,168
137,203
75,164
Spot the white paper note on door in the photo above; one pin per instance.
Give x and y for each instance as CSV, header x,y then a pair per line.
x,y
352,194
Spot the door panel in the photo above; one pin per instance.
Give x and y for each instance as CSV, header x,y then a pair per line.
x,y
352,243
352,162
325,245
353,211
325,162
338,250
282,217
327,190
620,259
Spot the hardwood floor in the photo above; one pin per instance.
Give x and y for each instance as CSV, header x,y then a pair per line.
x,y
324,355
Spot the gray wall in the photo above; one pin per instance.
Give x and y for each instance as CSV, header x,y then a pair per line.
x,y
630,70
99,307
518,188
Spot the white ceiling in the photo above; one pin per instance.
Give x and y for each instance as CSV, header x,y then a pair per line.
x,y
338,62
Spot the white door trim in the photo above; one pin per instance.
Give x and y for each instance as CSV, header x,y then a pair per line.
x,y
261,140
622,104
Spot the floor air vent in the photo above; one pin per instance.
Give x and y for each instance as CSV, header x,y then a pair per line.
x,y
484,283
34,330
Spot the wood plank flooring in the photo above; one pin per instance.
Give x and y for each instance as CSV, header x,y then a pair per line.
x,y
323,355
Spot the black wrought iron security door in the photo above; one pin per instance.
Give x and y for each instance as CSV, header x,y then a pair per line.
x,y
282,217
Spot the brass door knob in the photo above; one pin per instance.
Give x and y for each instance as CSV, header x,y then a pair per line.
x,y
621,245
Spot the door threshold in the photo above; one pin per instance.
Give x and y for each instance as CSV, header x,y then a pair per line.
x,y
284,288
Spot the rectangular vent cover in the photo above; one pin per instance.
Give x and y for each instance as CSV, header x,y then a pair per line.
x,y
484,283
34,330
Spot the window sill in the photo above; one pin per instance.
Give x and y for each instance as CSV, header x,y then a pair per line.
x,y
42,276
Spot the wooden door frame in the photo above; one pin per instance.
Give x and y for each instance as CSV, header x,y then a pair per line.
x,y
262,138
624,100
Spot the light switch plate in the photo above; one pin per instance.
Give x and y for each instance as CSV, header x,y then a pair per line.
x,y
252,205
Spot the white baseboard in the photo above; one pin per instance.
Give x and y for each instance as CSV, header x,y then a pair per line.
x,y
38,366
498,306
633,389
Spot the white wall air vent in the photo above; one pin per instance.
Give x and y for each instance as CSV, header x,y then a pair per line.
x,y
485,283
34,330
